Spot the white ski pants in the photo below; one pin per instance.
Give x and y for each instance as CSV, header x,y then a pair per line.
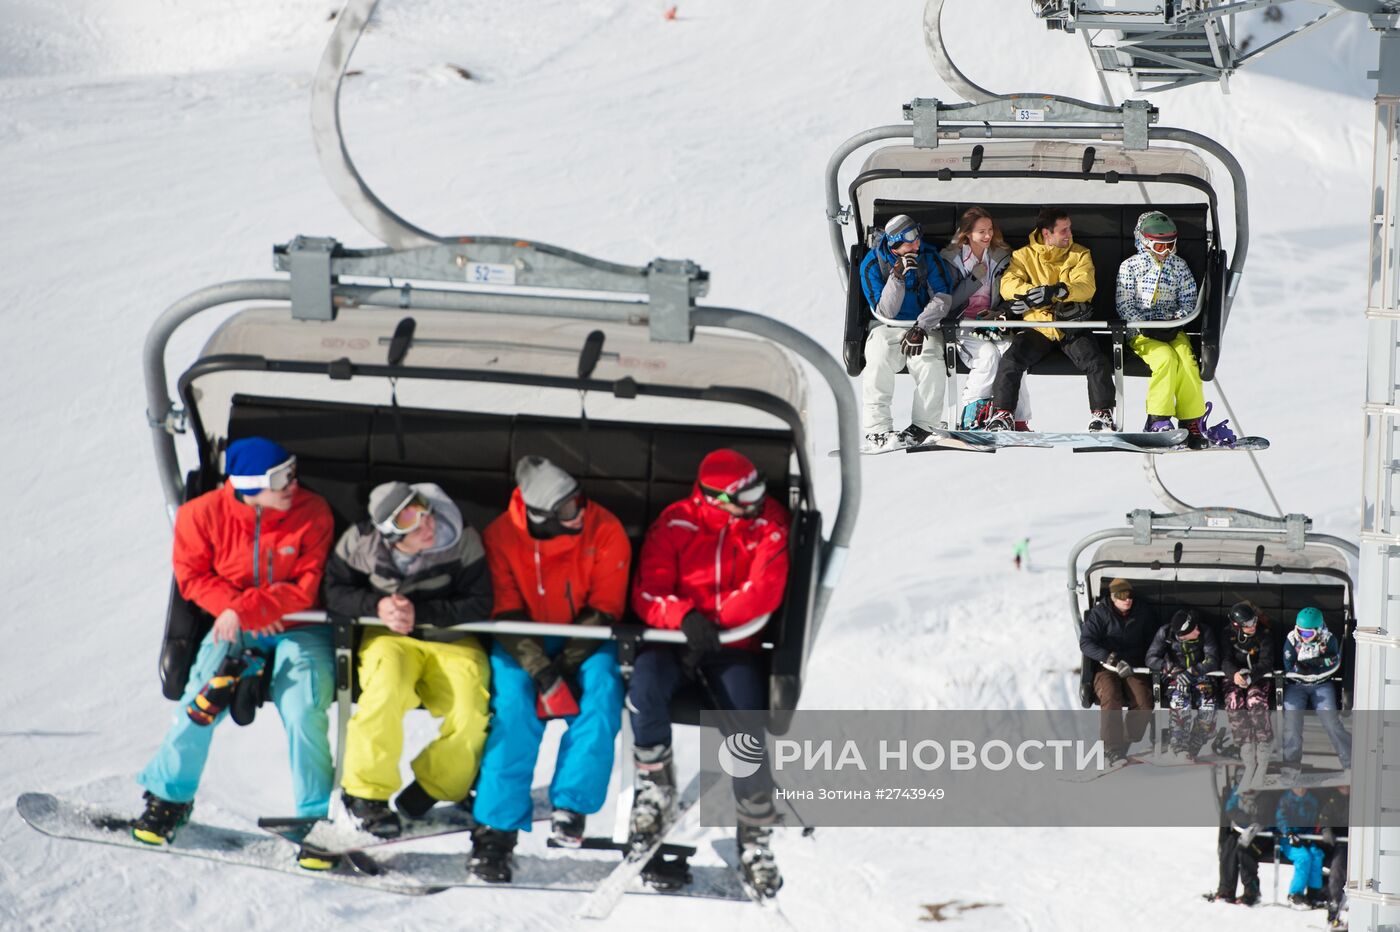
x,y
883,360
982,358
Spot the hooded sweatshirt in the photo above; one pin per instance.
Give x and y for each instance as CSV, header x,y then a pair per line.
x,y
448,583
1153,289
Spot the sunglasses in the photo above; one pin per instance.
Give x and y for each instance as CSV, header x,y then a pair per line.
x,y
276,479
568,510
407,518
910,235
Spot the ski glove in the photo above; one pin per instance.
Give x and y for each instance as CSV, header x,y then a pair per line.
x,y
1123,669
556,698
1294,840
1018,307
1042,295
701,634
1329,837
912,343
907,263
1183,682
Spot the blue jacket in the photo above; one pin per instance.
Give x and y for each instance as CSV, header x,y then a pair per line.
x,y
1323,655
931,278
1296,813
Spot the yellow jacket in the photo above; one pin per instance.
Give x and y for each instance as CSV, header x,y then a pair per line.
x,y
1039,264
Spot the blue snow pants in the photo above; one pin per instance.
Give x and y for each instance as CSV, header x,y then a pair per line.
x,y
585,762
303,686
1307,867
1322,697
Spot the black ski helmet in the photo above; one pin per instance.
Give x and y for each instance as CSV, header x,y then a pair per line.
x,y
1241,614
1185,621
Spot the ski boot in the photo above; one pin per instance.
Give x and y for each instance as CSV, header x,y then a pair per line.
x,y
491,854
1000,419
912,436
1101,421
414,801
1157,423
654,800
161,820
566,828
373,816
757,868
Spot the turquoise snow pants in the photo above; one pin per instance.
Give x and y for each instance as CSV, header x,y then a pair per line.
x,y
585,761
303,685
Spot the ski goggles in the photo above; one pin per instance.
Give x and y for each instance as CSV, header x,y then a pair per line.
x,y
275,479
406,518
1160,247
910,235
748,497
567,510
1307,634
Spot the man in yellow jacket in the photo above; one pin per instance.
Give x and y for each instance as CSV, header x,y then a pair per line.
x,y
1051,278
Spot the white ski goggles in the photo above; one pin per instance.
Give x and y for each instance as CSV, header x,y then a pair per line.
x,y
403,521
275,479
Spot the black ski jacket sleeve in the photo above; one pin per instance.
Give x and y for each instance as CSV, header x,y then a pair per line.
x,y
1093,634
466,598
347,590
1159,655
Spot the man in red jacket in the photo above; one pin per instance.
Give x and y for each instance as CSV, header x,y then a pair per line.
x,y
715,560
248,553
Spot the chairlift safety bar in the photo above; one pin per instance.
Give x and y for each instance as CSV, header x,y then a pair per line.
x,y
543,629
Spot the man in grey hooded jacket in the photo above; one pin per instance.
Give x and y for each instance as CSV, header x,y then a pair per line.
x,y
419,567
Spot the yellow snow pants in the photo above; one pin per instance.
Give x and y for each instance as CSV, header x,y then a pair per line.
x,y
1175,387
452,680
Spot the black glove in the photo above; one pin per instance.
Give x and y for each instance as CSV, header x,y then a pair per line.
x,y
909,262
1042,295
1329,837
701,634
1019,307
1074,310
1294,840
1183,681
1123,669
912,343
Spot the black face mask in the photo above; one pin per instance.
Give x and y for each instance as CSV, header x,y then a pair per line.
x,y
547,525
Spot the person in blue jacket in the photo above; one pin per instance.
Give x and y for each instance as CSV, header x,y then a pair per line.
x,y
1312,658
908,287
1297,815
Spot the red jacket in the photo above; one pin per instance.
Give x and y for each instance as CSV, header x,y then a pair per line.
x,y
261,566
697,556
554,580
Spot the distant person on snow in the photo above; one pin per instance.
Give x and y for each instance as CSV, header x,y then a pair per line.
x,y
248,553
1021,553
979,256
907,287
1051,278
1116,634
1185,653
1156,284
715,560
418,566
557,558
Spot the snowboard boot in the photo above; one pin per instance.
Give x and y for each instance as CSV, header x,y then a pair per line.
x,y
491,854
974,414
878,441
654,799
1001,419
1101,421
1299,901
757,867
1250,895
161,820
373,816
414,801
1023,427
1157,423
912,436
1195,439
566,828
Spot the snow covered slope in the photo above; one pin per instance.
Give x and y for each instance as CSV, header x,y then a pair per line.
x,y
150,147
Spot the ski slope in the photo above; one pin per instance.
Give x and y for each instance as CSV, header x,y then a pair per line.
x,y
149,148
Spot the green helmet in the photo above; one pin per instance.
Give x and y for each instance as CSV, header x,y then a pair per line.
x,y
1310,618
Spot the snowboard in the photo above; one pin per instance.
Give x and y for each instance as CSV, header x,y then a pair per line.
x,y
331,838
1089,776
62,818
985,441
1241,445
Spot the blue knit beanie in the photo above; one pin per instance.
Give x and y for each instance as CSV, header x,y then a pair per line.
x,y
253,456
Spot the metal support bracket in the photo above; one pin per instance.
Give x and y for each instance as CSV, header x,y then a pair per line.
x,y
309,261
174,421
1134,116
1295,531
1141,520
670,297
923,111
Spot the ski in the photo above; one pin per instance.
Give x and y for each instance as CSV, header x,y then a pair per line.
x,y
600,903
728,850
334,837
60,818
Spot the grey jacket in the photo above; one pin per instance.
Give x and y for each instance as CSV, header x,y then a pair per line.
x,y
448,583
998,258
